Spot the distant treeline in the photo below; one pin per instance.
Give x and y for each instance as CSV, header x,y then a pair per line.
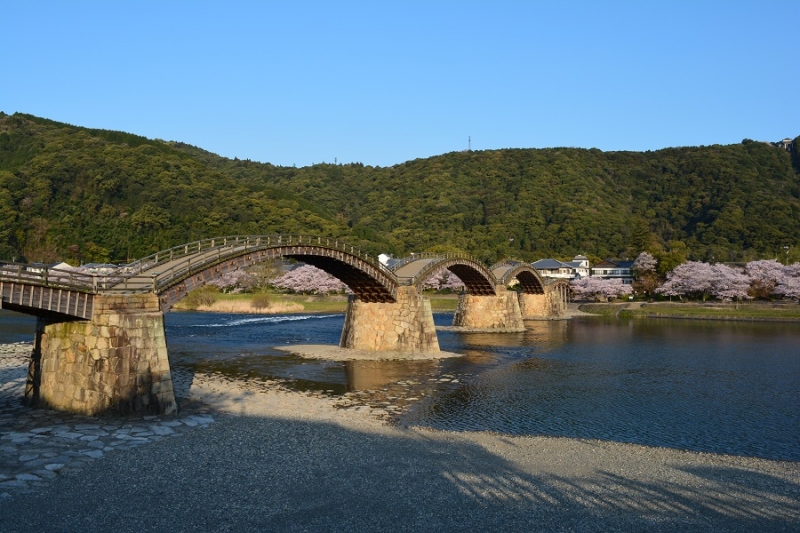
x,y
92,195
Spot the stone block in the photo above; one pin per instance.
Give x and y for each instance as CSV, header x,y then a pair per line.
x,y
89,367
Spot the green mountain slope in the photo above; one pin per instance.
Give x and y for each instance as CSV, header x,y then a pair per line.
x,y
83,194
722,202
93,195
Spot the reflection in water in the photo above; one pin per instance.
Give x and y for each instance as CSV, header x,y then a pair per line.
x,y
365,375
706,386
729,388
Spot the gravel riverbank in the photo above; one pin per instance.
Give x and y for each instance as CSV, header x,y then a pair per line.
x,y
245,457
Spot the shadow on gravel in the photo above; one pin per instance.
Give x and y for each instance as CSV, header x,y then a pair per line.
x,y
263,474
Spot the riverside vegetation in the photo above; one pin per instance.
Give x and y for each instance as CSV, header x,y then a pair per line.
x,y
87,195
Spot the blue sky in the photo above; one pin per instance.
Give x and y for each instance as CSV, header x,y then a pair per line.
x,y
296,83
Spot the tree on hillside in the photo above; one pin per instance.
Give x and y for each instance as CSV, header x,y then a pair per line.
x,y
669,260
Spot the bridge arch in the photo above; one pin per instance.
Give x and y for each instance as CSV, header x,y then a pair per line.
x,y
530,281
173,273
477,279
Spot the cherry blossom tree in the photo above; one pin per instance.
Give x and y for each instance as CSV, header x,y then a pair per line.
x,y
789,288
309,279
764,275
729,283
231,281
644,268
644,263
443,279
262,274
789,285
701,280
692,278
599,288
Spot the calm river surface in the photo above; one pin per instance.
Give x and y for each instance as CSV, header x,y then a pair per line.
x,y
704,386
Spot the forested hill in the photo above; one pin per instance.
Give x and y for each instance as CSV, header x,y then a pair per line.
x,y
74,193
92,195
722,203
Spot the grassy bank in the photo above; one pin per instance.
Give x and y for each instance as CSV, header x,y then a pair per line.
x,y
701,311
295,303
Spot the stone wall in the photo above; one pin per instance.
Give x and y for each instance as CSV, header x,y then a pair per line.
x,y
548,305
500,312
115,362
405,326
534,305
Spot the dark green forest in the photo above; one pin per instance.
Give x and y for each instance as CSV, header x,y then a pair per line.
x,y
93,195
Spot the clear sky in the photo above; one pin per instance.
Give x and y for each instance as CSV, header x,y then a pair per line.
x,y
298,82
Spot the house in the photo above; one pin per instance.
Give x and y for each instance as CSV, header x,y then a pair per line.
x,y
581,265
553,268
614,269
787,144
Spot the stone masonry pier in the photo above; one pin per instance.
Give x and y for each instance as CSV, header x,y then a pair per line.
x,y
404,326
100,343
117,361
549,305
499,312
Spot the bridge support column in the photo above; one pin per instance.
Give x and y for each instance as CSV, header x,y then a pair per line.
x,y
404,326
552,304
117,361
533,305
499,312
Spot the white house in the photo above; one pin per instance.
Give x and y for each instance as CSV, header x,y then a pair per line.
x,y
613,269
553,268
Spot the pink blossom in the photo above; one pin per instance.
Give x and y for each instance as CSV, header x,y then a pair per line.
x,y
599,288
729,283
789,285
443,279
644,263
309,279
235,279
690,278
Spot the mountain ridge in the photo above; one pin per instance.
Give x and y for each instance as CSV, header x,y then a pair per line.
x,y
87,194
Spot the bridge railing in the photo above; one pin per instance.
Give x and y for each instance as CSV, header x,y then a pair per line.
x,y
429,255
143,276
506,262
49,277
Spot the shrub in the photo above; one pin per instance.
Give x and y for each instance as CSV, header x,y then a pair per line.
x,y
206,295
260,301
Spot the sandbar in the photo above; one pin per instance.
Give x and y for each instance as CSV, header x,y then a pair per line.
x,y
335,353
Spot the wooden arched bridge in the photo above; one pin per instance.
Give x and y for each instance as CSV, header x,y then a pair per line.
x,y
109,330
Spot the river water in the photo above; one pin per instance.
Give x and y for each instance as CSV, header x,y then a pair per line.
x,y
704,386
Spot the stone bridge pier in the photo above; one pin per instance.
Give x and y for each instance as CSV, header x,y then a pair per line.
x,y
117,361
551,304
403,326
498,312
